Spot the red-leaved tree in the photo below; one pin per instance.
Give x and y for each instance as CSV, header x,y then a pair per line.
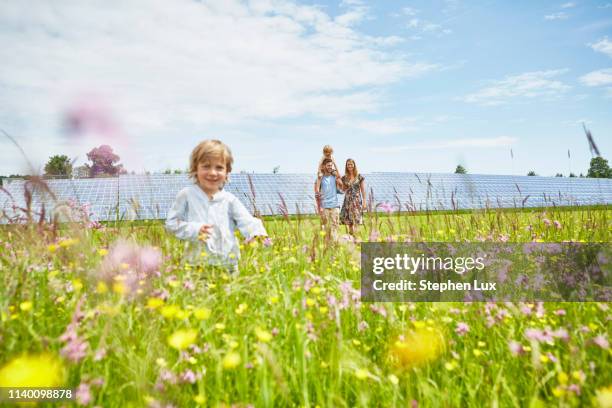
x,y
103,161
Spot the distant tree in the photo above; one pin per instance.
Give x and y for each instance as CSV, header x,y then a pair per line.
x,y
58,165
103,161
178,171
167,171
572,175
581,175
460,170
559,175
532,173
276,169
599,168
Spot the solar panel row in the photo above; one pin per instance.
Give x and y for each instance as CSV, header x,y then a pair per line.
x,y
132,197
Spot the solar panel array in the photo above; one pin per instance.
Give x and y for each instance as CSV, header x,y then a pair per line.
x,y
141,197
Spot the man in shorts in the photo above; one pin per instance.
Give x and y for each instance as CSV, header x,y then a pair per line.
x,y
326,192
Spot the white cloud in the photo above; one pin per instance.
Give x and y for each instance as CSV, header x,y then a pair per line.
x,y
597,78
409,11
526,85
556,16
191,63
382,126
604,45
497,142
568,5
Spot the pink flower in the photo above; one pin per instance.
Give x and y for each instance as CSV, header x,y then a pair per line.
x,y
89,114
557,224
83,394
132,263
601,341
267,242
462,328
516,349
386,207
188,376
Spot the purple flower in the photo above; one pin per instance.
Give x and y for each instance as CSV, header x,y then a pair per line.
x,y
132,263
462,328
83,394
516,349
90,114
601,341
267,242
188,376
386,207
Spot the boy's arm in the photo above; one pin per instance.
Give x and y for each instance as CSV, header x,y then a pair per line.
x,y
248,225
175,220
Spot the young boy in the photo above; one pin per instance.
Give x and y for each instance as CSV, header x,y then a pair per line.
x,y
207,216
328,187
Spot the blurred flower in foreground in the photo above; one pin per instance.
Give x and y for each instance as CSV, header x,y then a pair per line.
x,y
181,339
604,397
418,347
89,114
129,264
231,360
43,370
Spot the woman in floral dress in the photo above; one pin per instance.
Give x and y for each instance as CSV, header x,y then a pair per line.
x,y
351,214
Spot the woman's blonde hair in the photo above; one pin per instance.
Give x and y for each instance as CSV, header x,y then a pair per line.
x,y
355,171
206,150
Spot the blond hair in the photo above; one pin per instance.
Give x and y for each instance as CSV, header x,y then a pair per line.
x,y
328,150
355,171
206,150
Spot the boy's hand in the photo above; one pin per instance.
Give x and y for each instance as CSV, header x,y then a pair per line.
x,y
204,231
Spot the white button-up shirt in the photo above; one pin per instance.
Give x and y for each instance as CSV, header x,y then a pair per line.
x,y
192,208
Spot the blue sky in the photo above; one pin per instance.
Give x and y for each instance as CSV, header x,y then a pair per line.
x,y
398,86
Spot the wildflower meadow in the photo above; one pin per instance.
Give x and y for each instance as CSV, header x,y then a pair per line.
x,y
113,312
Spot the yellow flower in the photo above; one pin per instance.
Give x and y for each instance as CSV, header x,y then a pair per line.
x,y
182,339
169,311
451,365
231,360
477,353
68,242
77,284
119,287
52,248
563,378
393,378
219,327
25,306
101,287
604,397
273,300
362,373
241,308
154,302
202,313
417,347
310,302
43,370
263,335
199,399
558,392
102,252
